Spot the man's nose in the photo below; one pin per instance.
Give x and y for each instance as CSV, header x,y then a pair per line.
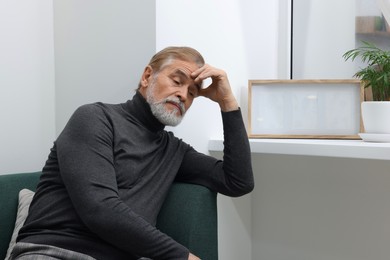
x,y
182,93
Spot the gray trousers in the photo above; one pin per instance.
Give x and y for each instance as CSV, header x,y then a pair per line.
x,y
29,251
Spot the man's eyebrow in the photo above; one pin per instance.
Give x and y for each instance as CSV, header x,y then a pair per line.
x,y
181,73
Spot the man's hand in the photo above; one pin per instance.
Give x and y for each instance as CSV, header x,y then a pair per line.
x,y
219,90
193,257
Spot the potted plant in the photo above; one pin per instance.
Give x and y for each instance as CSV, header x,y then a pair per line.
x,y
376,77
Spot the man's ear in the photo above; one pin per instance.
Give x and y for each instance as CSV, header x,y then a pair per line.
x,y
146,76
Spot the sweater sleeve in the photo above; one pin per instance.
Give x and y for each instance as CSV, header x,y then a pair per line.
x,y
86,160
232,176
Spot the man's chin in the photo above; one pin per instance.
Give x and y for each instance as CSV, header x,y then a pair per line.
x,y
176,121
170,120
173,124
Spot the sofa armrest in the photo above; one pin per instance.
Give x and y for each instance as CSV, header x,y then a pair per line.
x,y
10,185
189,215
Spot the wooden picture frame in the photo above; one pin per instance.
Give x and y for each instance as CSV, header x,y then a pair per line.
x,y
315,109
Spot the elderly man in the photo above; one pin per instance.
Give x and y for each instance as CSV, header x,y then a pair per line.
x,y
110,169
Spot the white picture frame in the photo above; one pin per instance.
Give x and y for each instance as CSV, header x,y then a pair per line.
x,y
316,109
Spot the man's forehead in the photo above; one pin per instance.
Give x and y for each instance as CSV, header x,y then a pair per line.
x,y
185,66
183,69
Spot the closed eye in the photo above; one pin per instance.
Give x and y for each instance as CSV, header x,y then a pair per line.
x,y
176,81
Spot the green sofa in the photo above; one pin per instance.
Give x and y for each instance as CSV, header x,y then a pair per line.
x,y
189,214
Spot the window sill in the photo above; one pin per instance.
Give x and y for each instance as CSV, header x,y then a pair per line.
x,y
309,147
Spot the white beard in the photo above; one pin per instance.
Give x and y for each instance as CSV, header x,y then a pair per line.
x,y
159,108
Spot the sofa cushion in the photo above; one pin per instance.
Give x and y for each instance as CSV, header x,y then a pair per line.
x,y
25,198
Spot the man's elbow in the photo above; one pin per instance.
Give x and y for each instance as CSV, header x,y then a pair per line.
x,y
243,189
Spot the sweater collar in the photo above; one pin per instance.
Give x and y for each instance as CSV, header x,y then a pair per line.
x,y
139,108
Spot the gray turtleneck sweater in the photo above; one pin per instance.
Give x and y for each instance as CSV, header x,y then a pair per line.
x,y
109,172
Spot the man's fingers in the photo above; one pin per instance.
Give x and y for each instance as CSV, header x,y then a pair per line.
x,y
205,72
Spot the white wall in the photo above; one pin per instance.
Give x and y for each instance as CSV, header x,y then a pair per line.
x,y
101,49
57,55
26,84
240,37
